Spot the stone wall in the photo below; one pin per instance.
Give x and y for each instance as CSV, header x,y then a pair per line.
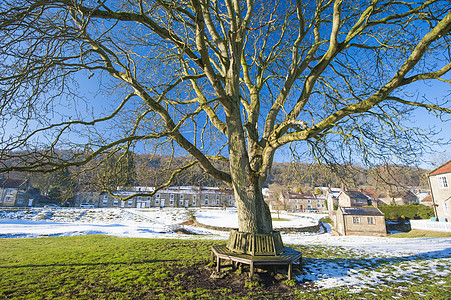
x,y
312,229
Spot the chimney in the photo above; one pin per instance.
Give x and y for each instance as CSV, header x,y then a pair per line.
x,y
374,203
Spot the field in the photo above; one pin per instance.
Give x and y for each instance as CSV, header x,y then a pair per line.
x,y
108,267
140,254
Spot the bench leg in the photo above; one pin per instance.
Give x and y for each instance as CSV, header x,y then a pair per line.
x,y
290,270
218,264
212,256
251,274
273,270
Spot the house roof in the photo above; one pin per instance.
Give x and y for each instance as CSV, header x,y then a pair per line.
x,y
428,198
300,196
10,183
356,195
333,194
370,193
446,168
361,211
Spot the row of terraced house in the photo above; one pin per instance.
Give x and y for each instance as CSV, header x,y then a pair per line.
x,y
139,197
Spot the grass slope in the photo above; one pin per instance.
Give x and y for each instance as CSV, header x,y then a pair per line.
x,y
104,267
421,234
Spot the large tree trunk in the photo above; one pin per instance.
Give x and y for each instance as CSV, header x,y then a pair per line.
x,y
253,213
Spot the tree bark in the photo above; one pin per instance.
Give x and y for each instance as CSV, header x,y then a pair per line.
x,y
253,213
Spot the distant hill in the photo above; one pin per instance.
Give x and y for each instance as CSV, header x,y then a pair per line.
x,y
154,170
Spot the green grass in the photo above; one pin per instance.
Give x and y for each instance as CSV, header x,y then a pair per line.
x,y
93,266
420,234
104,267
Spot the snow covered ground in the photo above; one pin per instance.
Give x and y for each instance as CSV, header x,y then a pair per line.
x,y
376,260
146,223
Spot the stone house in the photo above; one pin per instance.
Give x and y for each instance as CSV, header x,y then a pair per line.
x,y
356,216
353,199
169,197
440,183
360,221
17,193
427,201
88,197
332,198
399,198
296,202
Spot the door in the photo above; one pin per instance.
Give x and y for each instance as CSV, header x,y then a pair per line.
x,y
30,202
162,203
186,203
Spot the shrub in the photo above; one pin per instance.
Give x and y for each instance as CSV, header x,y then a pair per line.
x,y
411,211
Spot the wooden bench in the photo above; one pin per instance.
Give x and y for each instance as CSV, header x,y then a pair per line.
x,y
288,257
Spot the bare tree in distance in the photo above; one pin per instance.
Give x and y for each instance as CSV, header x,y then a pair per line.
x,y
224,81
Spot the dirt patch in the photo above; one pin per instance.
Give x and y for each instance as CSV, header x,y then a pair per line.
x,y
234,283
190,222
184,231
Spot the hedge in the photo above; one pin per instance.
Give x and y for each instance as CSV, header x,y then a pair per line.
x,y
411,211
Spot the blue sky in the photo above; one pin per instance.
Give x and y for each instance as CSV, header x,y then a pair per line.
x,y
434,91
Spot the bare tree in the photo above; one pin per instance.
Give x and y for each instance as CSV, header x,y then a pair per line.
x,y
230,81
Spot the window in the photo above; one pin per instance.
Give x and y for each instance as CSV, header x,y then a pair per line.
x,y
194,202
356,220
217,196
371,220
105,202
172,196
105,197
181,202
171,202
158,196
442,182
148,199
206,197
230,197
206,202
218,202
194,197
157,201
181,196
140,198
115,203
19,201
130,202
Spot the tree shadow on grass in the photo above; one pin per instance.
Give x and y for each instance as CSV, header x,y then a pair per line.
x,y
75,264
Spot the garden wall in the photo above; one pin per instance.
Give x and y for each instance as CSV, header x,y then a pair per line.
x,y
430,225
